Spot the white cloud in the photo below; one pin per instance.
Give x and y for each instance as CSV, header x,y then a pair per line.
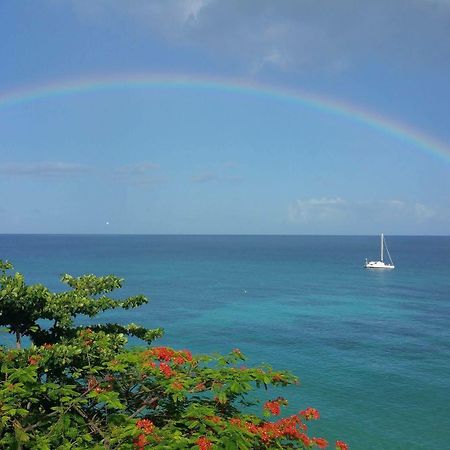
x,y
223,172
317,210
192,8
423,212
209,176
140,174
137,169
332,211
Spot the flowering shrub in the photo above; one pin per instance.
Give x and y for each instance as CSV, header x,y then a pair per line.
x,y
80,387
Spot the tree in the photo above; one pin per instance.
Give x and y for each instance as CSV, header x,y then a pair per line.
x,y
81,387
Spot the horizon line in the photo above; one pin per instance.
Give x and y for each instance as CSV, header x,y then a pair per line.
x,y
226,234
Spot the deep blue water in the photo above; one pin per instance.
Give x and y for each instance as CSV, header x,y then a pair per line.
x,y
372,348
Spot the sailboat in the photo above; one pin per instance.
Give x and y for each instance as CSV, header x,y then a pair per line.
x,y
380,264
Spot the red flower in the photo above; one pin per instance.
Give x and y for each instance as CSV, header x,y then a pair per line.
x,y
163,353
204,443
215,419
178,360
251,427
273,407
286,428
341,445
33,360
310,414
320,442
200,387
140,442
177,385
166,370
145,425
305,439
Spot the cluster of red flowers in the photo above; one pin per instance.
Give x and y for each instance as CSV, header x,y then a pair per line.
x,y
168,354
289,427
310,414
183,357
147,427
215,419
166,369
140,442
273,406
162,353
200,387
177,385
204,443
33,360
320,442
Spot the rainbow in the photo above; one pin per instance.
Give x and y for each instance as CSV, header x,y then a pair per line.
x,y
376,121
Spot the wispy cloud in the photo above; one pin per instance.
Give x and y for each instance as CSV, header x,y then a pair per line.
x,y
223,172
208,177
339,211
43,169
140,174
138,169
322,209
205,177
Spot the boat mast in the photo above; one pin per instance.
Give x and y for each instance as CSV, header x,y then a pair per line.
x,y
382,239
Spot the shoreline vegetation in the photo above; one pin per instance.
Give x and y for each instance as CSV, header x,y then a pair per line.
x,y
82,387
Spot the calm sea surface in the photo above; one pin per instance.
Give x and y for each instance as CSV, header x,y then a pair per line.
x,y
372,348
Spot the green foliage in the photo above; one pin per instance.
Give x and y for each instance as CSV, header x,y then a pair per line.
x,y
21,306
82,388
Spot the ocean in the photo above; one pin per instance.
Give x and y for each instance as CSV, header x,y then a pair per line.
x,y
371,348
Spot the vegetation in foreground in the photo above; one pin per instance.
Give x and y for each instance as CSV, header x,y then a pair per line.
x,y
79,387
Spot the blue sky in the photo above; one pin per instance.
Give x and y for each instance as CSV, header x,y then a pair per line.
x,y
195,159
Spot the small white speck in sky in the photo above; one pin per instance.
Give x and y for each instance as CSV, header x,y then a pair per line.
x,y
107,223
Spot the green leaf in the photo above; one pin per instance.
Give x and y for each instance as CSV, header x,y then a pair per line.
x,y
20,434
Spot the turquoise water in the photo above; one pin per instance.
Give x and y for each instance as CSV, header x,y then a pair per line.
x,y
372,348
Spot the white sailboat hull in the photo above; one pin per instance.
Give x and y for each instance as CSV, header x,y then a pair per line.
x,y
378,265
